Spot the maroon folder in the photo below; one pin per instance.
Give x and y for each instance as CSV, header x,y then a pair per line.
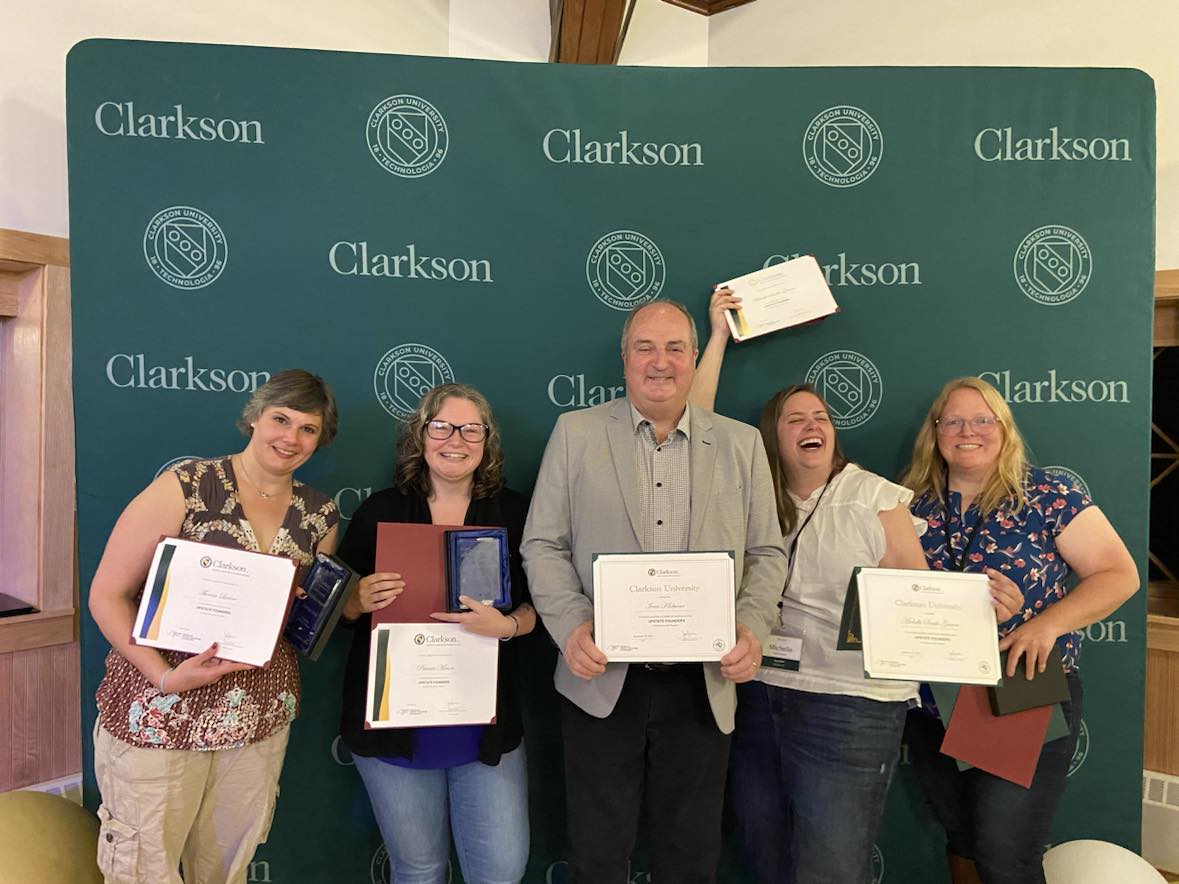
x,y
418,553
1007,746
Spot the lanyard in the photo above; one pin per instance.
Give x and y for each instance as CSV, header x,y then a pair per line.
x,y
958,562
798,534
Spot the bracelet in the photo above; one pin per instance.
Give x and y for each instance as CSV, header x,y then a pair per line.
x,y
515,631
164,678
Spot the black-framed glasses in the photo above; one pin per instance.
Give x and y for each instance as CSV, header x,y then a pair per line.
x,y
981,424
440,430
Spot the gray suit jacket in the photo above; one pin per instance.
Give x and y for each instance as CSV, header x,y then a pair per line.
x,y
586,501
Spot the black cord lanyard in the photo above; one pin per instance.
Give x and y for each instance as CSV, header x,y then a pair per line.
x,y
958,562
798,534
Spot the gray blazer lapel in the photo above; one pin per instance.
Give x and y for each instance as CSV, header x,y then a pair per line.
x,y
622,452
703,464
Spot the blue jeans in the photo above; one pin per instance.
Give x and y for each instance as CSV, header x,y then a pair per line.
x,y
485,806
1002,826
808,777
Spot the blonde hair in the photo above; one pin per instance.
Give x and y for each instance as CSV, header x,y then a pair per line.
x,y
926,473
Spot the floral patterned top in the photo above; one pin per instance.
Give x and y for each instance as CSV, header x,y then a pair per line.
x,y
1021,544
242,707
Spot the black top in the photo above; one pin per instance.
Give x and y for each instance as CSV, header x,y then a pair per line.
x,y
507,509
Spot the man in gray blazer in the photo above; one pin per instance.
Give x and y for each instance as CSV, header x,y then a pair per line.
x,y
648,473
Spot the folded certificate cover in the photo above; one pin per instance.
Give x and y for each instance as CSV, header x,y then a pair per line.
x,y
200,593
1017,693
314,617
477,567
418,553
849,624
1007,746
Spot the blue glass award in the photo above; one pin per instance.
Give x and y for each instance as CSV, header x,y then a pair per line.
x,y
313,618
477,567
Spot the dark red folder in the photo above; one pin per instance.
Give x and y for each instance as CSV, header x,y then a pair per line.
x,y
1007,746
418,553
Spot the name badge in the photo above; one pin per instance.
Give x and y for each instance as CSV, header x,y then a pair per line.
x,y
782,651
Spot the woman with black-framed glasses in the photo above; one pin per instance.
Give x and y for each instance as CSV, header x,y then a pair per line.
x,y
990,511
426,784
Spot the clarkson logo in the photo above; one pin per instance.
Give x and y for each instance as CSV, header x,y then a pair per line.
x,y
842,146
407,136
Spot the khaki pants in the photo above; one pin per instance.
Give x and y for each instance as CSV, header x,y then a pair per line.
x,y
160,807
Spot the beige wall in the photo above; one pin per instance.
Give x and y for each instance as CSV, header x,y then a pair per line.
x,y
1083,33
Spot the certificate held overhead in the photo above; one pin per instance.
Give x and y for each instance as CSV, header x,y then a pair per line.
x,y
779,296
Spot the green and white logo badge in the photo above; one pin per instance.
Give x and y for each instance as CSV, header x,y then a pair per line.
x,y
842,146
185,247
1053,264
407,136
877,865
404,373
850,383
625,269
1070,476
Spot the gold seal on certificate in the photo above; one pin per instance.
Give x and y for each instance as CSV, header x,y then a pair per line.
x,y
780,296
928,626
197,594
428,674
664,607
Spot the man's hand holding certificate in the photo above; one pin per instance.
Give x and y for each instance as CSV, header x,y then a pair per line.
x,y
197,594
664,607
928,626
780,296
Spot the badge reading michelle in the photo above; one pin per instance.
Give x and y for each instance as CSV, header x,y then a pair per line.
x,y
477,567
313,618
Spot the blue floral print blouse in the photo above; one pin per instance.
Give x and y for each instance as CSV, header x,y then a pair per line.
x,y
1021,544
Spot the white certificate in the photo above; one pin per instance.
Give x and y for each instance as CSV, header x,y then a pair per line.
x,y
780,296
928,626
427,674
197,594
664,607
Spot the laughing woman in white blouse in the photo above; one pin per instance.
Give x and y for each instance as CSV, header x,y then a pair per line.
x,y
816,743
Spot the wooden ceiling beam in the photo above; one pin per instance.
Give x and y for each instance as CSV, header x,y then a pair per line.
x,y
589,31
707,7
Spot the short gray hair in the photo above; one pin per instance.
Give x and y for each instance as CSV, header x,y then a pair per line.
x,y
300,391
630,318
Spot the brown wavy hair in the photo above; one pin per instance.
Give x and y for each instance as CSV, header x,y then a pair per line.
x,y
770,415
411,472
926,473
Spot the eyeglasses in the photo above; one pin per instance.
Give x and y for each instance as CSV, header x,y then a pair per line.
x,y
440,430
981,424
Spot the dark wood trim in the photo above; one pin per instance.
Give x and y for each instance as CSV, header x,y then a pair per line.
x,y
589,31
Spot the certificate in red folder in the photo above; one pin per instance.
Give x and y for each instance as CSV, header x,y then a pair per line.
x,y
1007,746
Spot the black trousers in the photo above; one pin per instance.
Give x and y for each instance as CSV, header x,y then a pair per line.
x,y
659,754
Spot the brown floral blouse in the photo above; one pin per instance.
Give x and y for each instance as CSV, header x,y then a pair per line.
x,y
243,707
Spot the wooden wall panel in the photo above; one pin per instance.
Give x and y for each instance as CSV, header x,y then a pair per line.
x,y
1161,743
590,31
6,719
57,427
46,715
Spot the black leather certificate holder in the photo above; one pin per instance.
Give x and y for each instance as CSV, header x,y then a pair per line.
x,y
1017,693
313,618
850,634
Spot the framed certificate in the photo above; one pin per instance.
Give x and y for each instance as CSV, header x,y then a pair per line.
x,y
928,626
664,607
197,594
423,674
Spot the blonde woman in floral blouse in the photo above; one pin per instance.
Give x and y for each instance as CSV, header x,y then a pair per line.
x,y
188,748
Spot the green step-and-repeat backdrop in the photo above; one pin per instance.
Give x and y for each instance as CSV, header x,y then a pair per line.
x,y
394,222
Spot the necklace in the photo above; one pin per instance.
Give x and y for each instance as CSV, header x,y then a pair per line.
x,y
265,495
